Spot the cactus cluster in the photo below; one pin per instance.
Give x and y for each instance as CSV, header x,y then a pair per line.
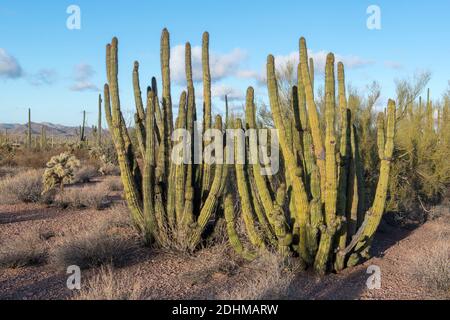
x,y
324,220
60,171
170,203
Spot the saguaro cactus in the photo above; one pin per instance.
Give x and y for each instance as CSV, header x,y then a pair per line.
x,y
99,121
82,128
329,235
168,200
29,130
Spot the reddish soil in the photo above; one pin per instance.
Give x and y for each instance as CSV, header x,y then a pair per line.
x,y
205,275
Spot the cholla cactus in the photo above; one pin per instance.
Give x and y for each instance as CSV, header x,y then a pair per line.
x,y
60,171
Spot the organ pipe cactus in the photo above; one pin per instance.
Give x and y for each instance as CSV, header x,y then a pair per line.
x,y
170,201
330,226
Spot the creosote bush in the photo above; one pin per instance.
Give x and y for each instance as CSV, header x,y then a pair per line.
x,y
26,187
107,242
27,249
95,197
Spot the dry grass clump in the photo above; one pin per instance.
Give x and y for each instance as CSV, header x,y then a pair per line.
x,y
95,197
113,184
109,169
8,171
25,250
433,268
85,174
25,187
108,284
270,278
109,241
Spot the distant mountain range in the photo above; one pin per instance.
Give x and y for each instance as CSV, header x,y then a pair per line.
x,y
51,128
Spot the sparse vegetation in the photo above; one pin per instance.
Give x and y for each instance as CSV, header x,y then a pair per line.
x,y
24,187
60,171
108,284
95,197
26,249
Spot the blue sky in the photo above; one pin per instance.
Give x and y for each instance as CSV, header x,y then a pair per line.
x,y
57,71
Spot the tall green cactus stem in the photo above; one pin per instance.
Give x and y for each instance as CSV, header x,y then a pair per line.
x,y
345,151
231,229
99,121
292,168
328,203
43,143
244,192
29,130
206,106
364,237
82,128
162,201
312,113
271,216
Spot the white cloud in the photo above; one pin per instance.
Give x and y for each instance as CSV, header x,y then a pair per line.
x,y
222,90
393,65
43,77
9,66
82,75
222,65
319,57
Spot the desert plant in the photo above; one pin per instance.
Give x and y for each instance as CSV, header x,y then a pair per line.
x,y
85,174
24,187
170,202
108,284
327,222
95,197
25,250
60,170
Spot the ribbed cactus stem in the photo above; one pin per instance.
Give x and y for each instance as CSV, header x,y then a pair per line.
x,y
99,121
373,217
206,172
244,191
292,168
231,229
312,113
330,227
29,129
120,135
345,153
82,129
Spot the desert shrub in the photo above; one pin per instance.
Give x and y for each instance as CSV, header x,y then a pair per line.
x,y
433,268
25,187
113,184
271,278
9,171
36,159
85,174
25,250
95,197
108,284
7,154
60,170
109,169
110,241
